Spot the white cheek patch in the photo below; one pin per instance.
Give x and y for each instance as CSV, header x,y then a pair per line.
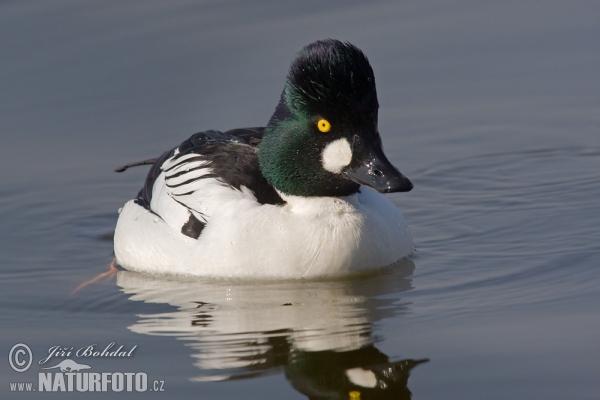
x,y
362,377
336,155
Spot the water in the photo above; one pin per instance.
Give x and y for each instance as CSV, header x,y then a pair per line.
x,y
491,109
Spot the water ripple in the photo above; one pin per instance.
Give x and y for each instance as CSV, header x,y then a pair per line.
x,y
507,229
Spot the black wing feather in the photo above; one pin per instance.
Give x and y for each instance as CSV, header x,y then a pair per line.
x,y
232,157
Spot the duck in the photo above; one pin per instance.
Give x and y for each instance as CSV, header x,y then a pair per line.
x,y
301,198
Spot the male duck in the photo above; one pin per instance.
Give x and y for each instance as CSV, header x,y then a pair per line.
x,y
285,201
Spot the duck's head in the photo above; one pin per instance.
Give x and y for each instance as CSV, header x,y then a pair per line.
x,y
322,139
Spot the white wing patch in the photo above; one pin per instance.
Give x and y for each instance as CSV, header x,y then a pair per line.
x,y
187,185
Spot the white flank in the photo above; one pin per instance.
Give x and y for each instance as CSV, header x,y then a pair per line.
x,y
336,155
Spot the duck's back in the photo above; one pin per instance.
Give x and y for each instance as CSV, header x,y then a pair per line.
x,y
186,184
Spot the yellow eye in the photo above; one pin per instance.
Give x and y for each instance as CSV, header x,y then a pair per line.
x,y
323,125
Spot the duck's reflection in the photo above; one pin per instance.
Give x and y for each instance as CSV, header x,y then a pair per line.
x,y
319,333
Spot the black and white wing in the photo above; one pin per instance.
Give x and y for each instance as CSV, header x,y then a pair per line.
x,y
209,170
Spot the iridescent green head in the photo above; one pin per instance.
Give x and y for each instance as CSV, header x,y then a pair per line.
x,y
322,139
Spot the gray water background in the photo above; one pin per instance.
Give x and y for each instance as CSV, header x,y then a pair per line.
x,y
492,109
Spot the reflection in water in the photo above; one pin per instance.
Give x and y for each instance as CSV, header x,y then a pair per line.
x,y
319,333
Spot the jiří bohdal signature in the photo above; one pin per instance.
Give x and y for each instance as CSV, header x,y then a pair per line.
x,y
92,350
318,333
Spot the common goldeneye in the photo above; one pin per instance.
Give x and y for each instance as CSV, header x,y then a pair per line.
x,y
294,199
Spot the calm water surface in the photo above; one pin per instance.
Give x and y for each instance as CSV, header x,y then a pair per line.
x,y
492,109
